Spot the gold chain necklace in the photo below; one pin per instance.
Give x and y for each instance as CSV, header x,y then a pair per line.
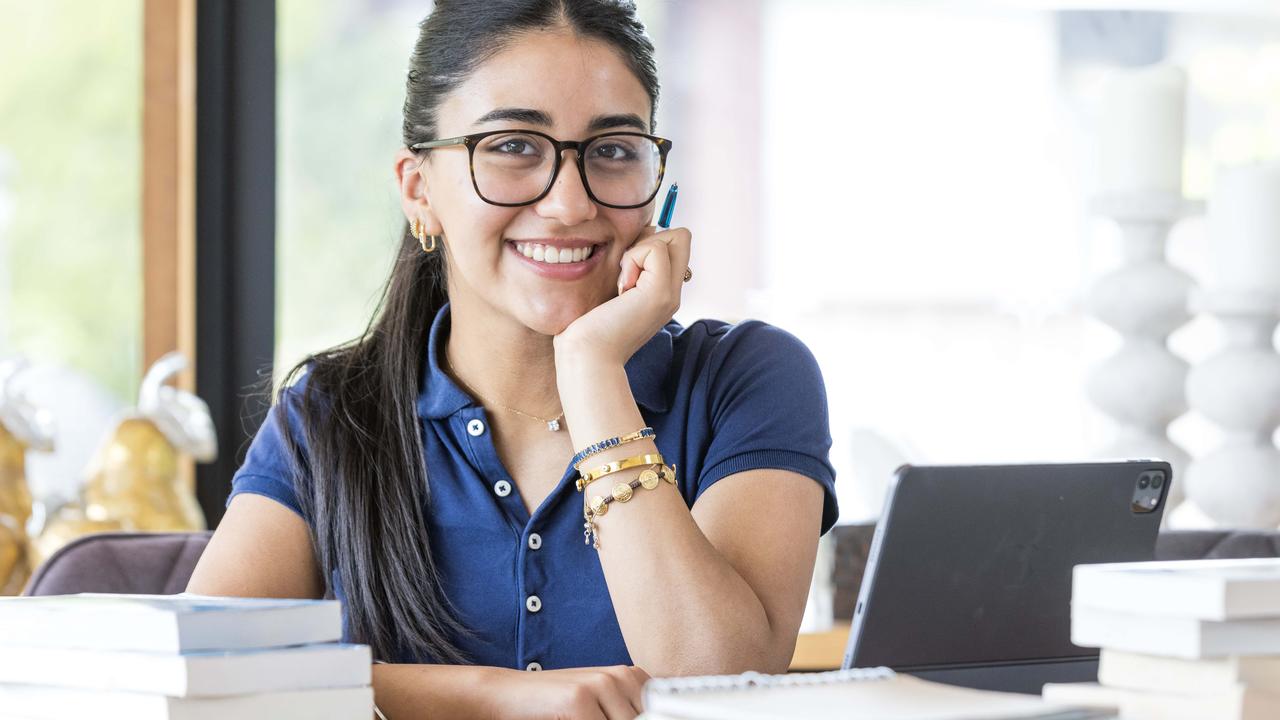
x,y
553,424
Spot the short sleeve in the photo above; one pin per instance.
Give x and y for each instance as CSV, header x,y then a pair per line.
x,y
267,468
768,410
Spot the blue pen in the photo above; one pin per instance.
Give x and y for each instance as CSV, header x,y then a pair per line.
x,y
668,207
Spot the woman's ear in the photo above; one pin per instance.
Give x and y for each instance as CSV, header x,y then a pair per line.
x,y
414,198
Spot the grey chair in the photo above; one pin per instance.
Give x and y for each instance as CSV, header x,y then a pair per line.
x,y
1196,544
121,562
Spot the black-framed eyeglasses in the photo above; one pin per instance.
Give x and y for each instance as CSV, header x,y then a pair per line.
x,y
511,168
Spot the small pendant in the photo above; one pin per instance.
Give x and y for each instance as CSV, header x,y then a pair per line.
x,y
553,425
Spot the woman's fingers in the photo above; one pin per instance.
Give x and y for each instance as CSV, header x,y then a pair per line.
x,y
665,254
680,248
632,264
629,265
633,679
618,693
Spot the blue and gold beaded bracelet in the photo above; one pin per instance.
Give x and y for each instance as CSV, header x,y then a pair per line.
x,y
603,445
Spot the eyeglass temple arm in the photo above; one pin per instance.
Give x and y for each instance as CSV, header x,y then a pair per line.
x,y
439,143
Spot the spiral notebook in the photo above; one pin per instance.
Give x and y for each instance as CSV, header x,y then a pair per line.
x,y
870,694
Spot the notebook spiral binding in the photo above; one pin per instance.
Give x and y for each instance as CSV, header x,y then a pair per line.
x,y
755,679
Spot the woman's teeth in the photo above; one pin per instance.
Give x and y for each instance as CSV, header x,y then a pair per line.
x,y
552,255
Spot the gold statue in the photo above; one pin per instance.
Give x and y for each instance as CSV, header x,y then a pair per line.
x,y
64,524
15,510
22,426
133,481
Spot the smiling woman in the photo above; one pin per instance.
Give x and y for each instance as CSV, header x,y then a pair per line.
x,y
523,382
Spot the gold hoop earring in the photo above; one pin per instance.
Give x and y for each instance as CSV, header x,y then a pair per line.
x,y
419,231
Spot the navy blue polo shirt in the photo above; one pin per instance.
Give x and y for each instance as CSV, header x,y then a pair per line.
x,y
722,398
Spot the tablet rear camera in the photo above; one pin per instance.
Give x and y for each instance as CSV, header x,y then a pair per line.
x,y
1148,491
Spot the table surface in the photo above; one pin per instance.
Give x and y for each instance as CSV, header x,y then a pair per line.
x,y
821,651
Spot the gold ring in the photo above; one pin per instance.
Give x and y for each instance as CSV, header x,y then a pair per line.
x,y
688,274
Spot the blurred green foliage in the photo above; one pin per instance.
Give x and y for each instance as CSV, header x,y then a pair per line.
x,y
70,120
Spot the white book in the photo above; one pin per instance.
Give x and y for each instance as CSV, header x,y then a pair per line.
x,y
1203,589
1187,638
872,694
1137,671
1090,695
1238,703
196,674
166,623
31,702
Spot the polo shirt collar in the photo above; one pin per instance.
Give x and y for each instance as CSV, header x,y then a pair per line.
x,y
441,397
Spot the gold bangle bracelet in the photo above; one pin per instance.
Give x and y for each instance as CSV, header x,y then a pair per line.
x,y
613,467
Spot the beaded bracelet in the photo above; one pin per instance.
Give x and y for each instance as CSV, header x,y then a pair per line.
x,y
611,442
622,492
634,461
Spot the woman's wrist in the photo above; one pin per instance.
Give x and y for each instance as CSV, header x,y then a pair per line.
x,y
572,351
581,372
590,350
597,403
403,692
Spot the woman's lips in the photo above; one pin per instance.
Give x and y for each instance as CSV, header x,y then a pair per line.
x,y
561,271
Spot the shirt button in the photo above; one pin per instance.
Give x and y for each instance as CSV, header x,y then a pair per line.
x,y
534,603
535,541
475,428
533,667
502,488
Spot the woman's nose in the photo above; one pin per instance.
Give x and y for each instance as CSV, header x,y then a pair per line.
x,y
567,201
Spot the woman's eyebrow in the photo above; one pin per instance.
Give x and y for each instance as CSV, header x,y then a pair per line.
x,y
538,117
524,115
604,122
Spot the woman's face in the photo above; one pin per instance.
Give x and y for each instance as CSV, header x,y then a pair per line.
x,y
569,88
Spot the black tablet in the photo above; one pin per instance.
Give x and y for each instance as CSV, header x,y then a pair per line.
x,y
968,580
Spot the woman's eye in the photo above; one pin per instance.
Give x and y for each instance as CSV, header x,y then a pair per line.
x,y
515,147
613,151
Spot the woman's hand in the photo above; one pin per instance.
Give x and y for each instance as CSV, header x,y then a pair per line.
x,y
600,693
650,281
478,692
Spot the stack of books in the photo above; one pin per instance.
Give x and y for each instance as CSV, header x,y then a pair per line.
x,y
1190,639
178,657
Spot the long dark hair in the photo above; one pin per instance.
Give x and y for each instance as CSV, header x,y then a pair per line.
x,y
368,480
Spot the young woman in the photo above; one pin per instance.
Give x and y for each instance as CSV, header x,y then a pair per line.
x,y
425,474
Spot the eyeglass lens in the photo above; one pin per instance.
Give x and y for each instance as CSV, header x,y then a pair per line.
x,y
516,167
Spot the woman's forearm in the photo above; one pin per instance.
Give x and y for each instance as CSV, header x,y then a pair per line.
x,y
414,692
683,609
